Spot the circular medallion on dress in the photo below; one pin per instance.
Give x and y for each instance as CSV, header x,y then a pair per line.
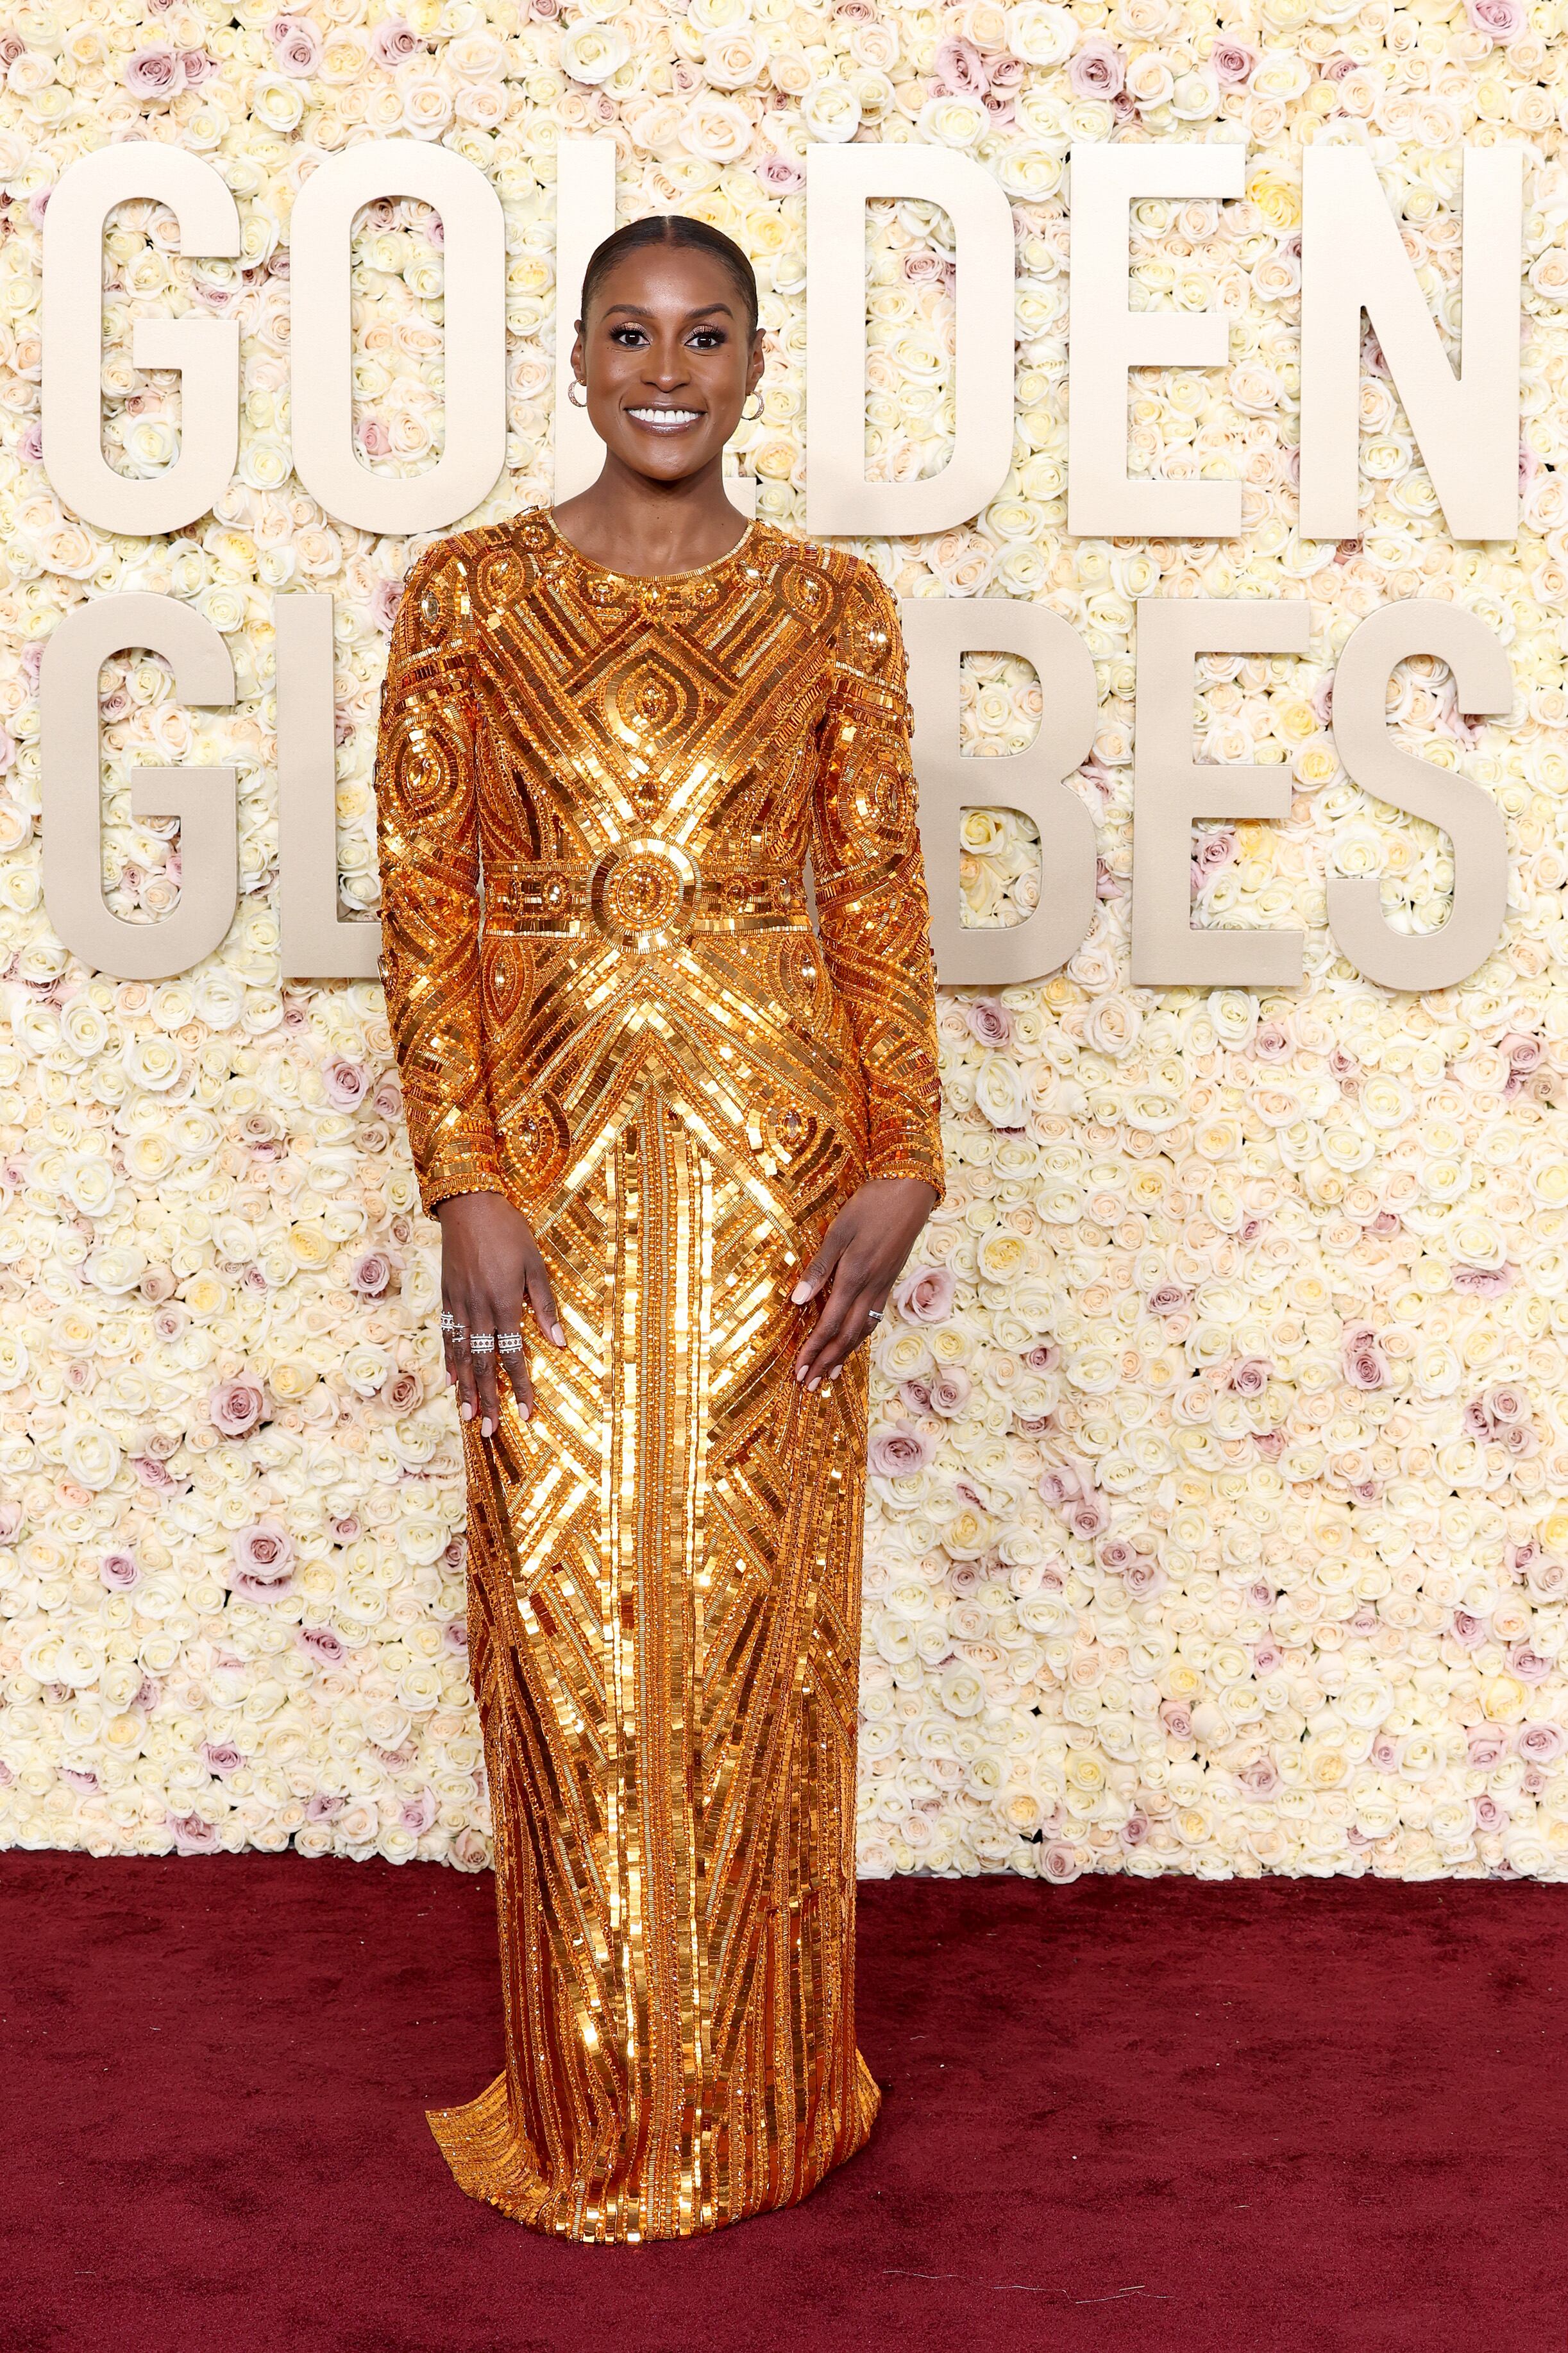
x,y
539,1139
643,896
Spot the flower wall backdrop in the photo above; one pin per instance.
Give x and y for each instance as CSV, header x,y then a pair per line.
x,y
1220,1448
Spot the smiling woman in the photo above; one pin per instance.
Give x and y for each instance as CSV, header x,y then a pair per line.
x,y
693,1142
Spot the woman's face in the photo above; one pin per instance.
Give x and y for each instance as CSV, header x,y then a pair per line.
x,y
668,356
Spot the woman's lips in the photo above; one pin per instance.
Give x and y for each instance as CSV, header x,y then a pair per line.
x,y
666,420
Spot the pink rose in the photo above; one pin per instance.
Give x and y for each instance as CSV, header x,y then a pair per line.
x,y
1134,1830
1249,1376
960,69
403,1392
927,1294
221,1758
1232,62
991,1023
10,1518
951,1390
344,1084
235,1407
1168,1299
1259,1777
385,600
1506,1403
296,46
1059,1484
119,1572
1502,21
1144,1578
393,43
1483,1281
1528,1665
1539,1744
899,1453
263,1562
320,1642
199,68
371,1273
1361,1357
781,175
1177,1718
193,1835
1098,70
1058,1864
454,1635
1488,1814
154,72
1468,1629
418,1814
1268,1658
1487,1743
1088,1517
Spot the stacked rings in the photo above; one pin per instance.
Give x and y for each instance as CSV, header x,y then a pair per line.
x,y
509,1343
482,1343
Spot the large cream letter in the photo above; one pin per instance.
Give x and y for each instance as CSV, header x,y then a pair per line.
x,y
206,351
1353,260
1169,789
1469,816
202,798
317,942
474,306
938,632
1107,338
839,181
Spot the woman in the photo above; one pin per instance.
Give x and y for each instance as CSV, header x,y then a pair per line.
x,y
652,1112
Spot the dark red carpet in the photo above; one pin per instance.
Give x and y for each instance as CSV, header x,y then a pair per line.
x,y
1124,2117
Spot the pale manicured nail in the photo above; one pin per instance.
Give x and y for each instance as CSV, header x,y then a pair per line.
x,y
467,1412
524,1412
833,1376
815,1381
486,1427
558,1336
800,1295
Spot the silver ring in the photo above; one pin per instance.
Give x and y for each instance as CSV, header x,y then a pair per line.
x,y
449,1322
509,1343
873,1314
482,1343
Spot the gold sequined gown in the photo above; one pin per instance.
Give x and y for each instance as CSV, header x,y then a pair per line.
x,y
597,794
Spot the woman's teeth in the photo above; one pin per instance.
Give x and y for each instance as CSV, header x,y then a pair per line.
x,y
660,416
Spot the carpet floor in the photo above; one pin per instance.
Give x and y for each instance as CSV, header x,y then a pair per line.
x,y
1122,2116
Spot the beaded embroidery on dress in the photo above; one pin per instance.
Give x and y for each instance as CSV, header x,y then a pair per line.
x,y
597,794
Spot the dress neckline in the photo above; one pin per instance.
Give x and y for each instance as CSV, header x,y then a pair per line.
x,y
645,579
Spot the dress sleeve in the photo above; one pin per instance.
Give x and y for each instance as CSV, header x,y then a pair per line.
x,y
427,827
872,912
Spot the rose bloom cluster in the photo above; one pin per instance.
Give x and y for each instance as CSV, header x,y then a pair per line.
x,y
1220,1449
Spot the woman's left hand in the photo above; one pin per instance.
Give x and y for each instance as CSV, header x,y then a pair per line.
x,y
862,1256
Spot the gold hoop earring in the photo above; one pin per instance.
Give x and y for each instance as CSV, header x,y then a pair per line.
x,y
572,389
755,412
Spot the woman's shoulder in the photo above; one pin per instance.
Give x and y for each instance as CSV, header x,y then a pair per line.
x,y
843,593
469,575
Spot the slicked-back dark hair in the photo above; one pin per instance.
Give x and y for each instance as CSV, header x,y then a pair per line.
x,y
671,229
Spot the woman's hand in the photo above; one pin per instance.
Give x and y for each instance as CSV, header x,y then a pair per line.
x,y
492,1272
862,1255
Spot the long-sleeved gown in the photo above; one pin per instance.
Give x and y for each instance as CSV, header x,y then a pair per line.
x,y
595,795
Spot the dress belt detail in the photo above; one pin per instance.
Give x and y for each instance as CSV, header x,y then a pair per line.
x,y
647,894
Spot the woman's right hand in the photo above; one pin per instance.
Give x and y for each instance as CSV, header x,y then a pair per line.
x,y
491,1274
